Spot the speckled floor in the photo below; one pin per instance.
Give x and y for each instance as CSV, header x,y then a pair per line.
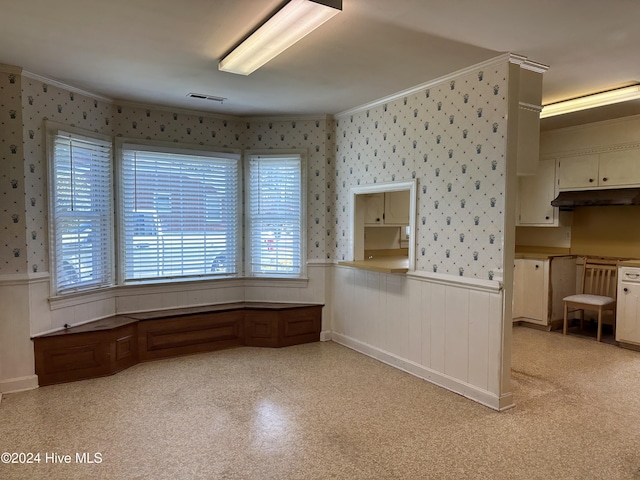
x,y
322,411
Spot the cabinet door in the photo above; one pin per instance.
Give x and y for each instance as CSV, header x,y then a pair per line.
x,y
578,172
535,195
628,313
518,288
396,208
374,209
532,293
619,168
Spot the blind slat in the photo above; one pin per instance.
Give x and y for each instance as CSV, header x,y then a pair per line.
x,y
180,214
82,222
275,215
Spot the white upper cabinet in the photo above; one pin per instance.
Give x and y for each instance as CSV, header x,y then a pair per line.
x,y
388,208
396,207
621,167
374,209
595,156
578,172
535,195
617,168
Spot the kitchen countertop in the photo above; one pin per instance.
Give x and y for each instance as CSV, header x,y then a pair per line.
x,y
629,263
540,256
541,253
545,254
383,264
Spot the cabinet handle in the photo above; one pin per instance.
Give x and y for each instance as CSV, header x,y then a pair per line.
x,y
626,290
591,180
605,179
537,267
546,218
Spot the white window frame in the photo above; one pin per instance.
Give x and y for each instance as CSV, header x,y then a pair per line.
x,y
116,262
302,155
53,129
183,149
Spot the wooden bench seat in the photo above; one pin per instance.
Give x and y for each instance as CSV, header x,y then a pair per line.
x,y
112,344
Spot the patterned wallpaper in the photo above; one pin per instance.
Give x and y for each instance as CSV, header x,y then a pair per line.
x,y
451,137
26,103
42,101
12,182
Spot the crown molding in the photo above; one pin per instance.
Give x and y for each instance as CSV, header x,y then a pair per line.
x,y
586,126
527,64
64,86
593,150
531,107
505,57
286,118
118,102
169,109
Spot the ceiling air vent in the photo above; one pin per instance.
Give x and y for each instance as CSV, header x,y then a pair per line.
x,y
202,96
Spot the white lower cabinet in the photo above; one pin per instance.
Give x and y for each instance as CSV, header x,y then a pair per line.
x,y
539,285
628,307
530,284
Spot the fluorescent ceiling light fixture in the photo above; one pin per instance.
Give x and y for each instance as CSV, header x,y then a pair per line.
x,y
591,101
294,21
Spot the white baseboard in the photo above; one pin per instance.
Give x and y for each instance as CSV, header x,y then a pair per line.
x,y
471,392
20,384
325,335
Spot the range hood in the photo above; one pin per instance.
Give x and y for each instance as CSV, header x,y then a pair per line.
x,y
595,198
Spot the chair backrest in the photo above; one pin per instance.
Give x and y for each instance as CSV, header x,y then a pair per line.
x,y
599,277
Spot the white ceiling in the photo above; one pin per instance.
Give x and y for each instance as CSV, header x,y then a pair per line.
x,y
157,51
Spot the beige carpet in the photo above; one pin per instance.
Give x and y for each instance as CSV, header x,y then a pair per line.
x,y
322,411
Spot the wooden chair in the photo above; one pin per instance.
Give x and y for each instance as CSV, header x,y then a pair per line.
x,y
598,292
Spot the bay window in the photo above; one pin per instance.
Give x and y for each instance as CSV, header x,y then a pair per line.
x,y
177,212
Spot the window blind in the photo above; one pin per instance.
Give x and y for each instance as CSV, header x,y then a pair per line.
x,y
274,215
179,214
82,211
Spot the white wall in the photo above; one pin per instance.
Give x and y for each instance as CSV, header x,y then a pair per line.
x,y
445,322
437,327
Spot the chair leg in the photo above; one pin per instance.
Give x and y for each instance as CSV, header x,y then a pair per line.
x,y
599,324
614,325
566,311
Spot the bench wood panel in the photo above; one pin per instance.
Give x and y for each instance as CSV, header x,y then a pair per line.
x,y
110,345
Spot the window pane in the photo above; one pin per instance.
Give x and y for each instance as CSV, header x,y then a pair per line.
x,y
275,195
82,213
179,214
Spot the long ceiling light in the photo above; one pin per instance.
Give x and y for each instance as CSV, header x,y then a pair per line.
x,y
294,21
591,101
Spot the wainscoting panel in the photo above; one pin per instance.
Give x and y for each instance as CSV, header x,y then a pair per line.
x,y
445,329
16,350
